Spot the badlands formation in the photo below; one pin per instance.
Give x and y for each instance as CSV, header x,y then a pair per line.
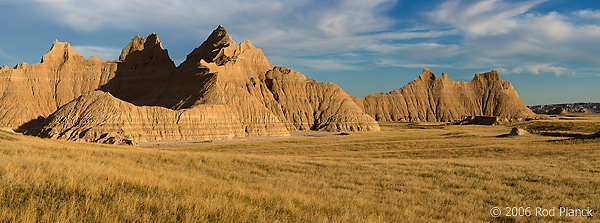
x,y
431,99
557,109
221,91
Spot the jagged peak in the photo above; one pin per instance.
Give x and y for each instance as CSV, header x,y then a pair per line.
x,y
217,44
220,28
219,38
427,75
140,43
59,52
147,48
246,45
489,76
94,59
21,65
282,72
444,77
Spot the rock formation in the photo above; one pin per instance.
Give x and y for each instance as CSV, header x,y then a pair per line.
x,y
482,120
31,91
222,90
100,117
557,109
429,99
516,133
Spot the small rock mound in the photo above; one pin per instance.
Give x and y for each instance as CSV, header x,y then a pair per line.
x,y
480,120
516,132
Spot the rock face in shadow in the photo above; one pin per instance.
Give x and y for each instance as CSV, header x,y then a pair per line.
x,y
223,90
100,117
429,99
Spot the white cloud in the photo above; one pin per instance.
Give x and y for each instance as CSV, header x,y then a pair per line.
x,y
347,17
588,14
418,51
332,18
103,53
475,33
93,15
475,64
302,26
510,33
408,64
536,69
401,35
327,64
305,43
475,17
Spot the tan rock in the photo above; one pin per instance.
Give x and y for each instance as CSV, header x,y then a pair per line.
x,y
100,117
557,109
222,90
517,133
428,99
31,91
308,104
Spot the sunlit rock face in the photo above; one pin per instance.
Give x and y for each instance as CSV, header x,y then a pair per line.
x,y
221,91
431,99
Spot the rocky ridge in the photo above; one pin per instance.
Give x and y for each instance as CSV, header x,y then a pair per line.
x,y
557,109
29,93
431,99
222,90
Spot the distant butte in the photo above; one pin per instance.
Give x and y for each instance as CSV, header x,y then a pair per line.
x,y
429,99
557,109
221,91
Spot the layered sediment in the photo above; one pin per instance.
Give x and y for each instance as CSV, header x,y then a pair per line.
x,y
431,99
221,91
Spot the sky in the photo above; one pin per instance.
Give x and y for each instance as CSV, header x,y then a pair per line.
x,y
548,49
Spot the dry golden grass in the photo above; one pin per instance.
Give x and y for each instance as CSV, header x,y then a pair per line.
x,y
408,173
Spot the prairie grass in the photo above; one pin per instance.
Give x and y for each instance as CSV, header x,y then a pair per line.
x,y
569,125
406,173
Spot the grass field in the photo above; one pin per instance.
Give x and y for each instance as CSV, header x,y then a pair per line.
x,y
407,173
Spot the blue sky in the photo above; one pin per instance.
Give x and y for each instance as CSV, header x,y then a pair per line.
x,y
549,50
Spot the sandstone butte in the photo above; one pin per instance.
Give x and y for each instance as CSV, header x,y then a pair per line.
x,y
431,99
221,91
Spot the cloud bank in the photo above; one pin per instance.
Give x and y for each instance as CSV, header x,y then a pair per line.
x,y
511,36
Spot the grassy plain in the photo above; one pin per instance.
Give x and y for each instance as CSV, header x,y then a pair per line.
x,y
406,173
